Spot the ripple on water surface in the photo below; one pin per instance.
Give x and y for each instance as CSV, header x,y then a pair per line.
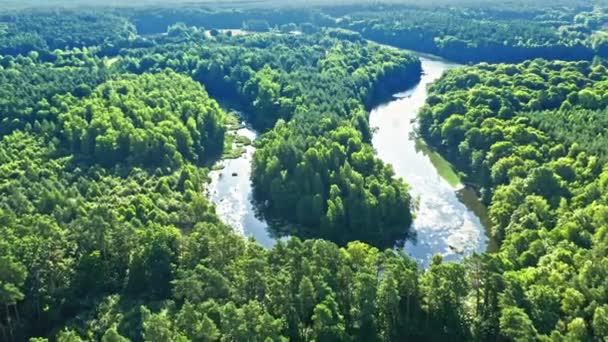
x,y
443,223
230,190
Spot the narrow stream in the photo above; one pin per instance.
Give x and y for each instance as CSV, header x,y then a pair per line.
x,y
230,190
449,218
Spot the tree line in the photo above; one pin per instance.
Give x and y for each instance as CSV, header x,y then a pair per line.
x,y
315,170
106,234
466,32
103,218
528,135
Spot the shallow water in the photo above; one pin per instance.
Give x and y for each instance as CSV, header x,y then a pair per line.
x,y
444,224
231,194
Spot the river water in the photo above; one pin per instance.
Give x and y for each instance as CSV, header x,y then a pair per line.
x,y
449,218
231,191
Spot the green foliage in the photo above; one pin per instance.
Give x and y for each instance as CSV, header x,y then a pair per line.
x,y
330,186
483,32
112,335
74,232
531,136
150,120
102,212
443,289
46,31
516,325
105,233
27,95
581,127
339,186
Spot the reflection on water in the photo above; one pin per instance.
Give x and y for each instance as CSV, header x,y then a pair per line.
x,y
449,218
230,190
448,215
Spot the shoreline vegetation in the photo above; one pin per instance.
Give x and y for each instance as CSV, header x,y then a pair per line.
x,y
234,146
109,118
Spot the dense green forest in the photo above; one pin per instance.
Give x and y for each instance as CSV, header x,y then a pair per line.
x,y
110,120
315,170
482,32
120,144
518,132
496,34
474,31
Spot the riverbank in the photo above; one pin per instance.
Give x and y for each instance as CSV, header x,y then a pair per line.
x,y
230,187
450,220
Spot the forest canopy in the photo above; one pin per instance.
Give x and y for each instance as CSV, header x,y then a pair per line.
x,y
150,120
104,167
110,119
518,132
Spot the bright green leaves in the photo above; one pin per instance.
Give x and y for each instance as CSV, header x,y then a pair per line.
x,y
12,279
149,120
600,322
516,325
443,288
152,265
539,167
328,323
332,185
343,189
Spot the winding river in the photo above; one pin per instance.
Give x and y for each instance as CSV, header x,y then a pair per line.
x,y
230,190
449,218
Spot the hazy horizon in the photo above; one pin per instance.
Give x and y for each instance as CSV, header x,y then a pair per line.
x,y
28,4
